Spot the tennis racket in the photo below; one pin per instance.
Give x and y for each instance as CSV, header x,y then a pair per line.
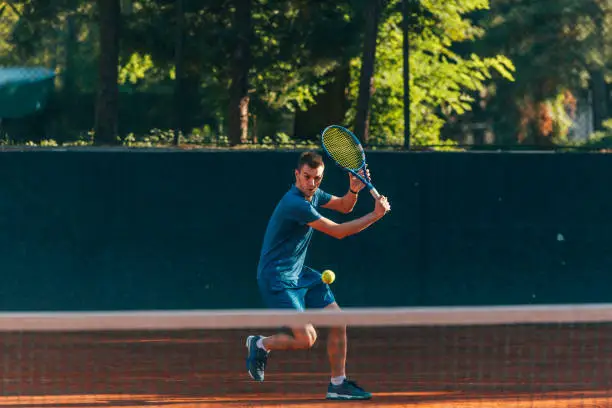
x,y
343,147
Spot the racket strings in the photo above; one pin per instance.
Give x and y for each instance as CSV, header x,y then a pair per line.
x,y
343,149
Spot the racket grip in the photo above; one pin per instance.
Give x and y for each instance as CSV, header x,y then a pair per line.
x,y
374,193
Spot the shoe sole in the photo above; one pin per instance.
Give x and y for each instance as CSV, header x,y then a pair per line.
x,y
248,346
335,396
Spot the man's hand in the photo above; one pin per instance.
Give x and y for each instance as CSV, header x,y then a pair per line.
x,y
381,207
355,184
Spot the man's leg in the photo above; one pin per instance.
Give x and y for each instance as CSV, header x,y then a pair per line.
x,y
290,339
336,349
320,296
260,346
298,338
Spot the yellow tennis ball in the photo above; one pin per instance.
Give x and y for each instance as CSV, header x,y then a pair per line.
x,y
328,276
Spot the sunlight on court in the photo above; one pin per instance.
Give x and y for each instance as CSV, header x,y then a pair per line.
x,y
391,400
557,357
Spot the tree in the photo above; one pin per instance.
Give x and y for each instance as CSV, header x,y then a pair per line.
x,y
107,103
302,59
294,66
240,65
179,63
558,48
366,79
406,11
441,82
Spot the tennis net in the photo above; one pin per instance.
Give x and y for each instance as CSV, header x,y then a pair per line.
x,y
522,356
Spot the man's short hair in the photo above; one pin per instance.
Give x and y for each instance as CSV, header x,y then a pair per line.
x,y
312,159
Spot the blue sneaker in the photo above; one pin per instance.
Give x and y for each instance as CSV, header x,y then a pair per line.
x,y
257,359
348,390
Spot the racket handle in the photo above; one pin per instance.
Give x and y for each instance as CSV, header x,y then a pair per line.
x,y
374,193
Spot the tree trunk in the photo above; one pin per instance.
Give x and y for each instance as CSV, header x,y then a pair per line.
x,y
127,7
179,60
107,103
600,108
366,80
406,72
598,80
69,86
238,117
329,108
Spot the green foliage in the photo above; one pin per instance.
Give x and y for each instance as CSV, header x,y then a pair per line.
x,y
441,81
551,42
136,68
59,35
561,120
292,52
295,48
164,138
523,56
555,45
601,140
8,21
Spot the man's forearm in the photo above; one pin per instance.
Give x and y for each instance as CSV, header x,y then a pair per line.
x,y
357,225
348,202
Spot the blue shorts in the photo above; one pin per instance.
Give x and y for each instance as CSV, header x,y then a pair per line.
x,y
316,296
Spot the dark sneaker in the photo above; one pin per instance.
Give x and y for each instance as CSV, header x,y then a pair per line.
x,y
348,390
256,359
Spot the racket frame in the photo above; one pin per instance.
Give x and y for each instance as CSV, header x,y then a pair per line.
x,y
365,180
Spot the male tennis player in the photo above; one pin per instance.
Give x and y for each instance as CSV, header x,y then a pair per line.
x,y
286,283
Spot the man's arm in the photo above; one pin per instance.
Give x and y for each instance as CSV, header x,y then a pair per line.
x,y
345,229
344,204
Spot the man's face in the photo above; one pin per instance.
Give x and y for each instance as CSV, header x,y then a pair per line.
x,y
308,179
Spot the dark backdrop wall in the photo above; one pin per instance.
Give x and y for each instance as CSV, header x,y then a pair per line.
x,y
94,230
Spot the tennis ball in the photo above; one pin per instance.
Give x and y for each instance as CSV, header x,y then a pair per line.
x,y
328,276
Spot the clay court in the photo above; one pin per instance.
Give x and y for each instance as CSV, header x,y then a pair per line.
x,y
499,366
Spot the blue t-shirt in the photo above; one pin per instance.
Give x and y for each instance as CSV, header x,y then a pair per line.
x,y
281,262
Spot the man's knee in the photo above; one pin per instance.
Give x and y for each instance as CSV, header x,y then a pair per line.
x,y
305,337
339,329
